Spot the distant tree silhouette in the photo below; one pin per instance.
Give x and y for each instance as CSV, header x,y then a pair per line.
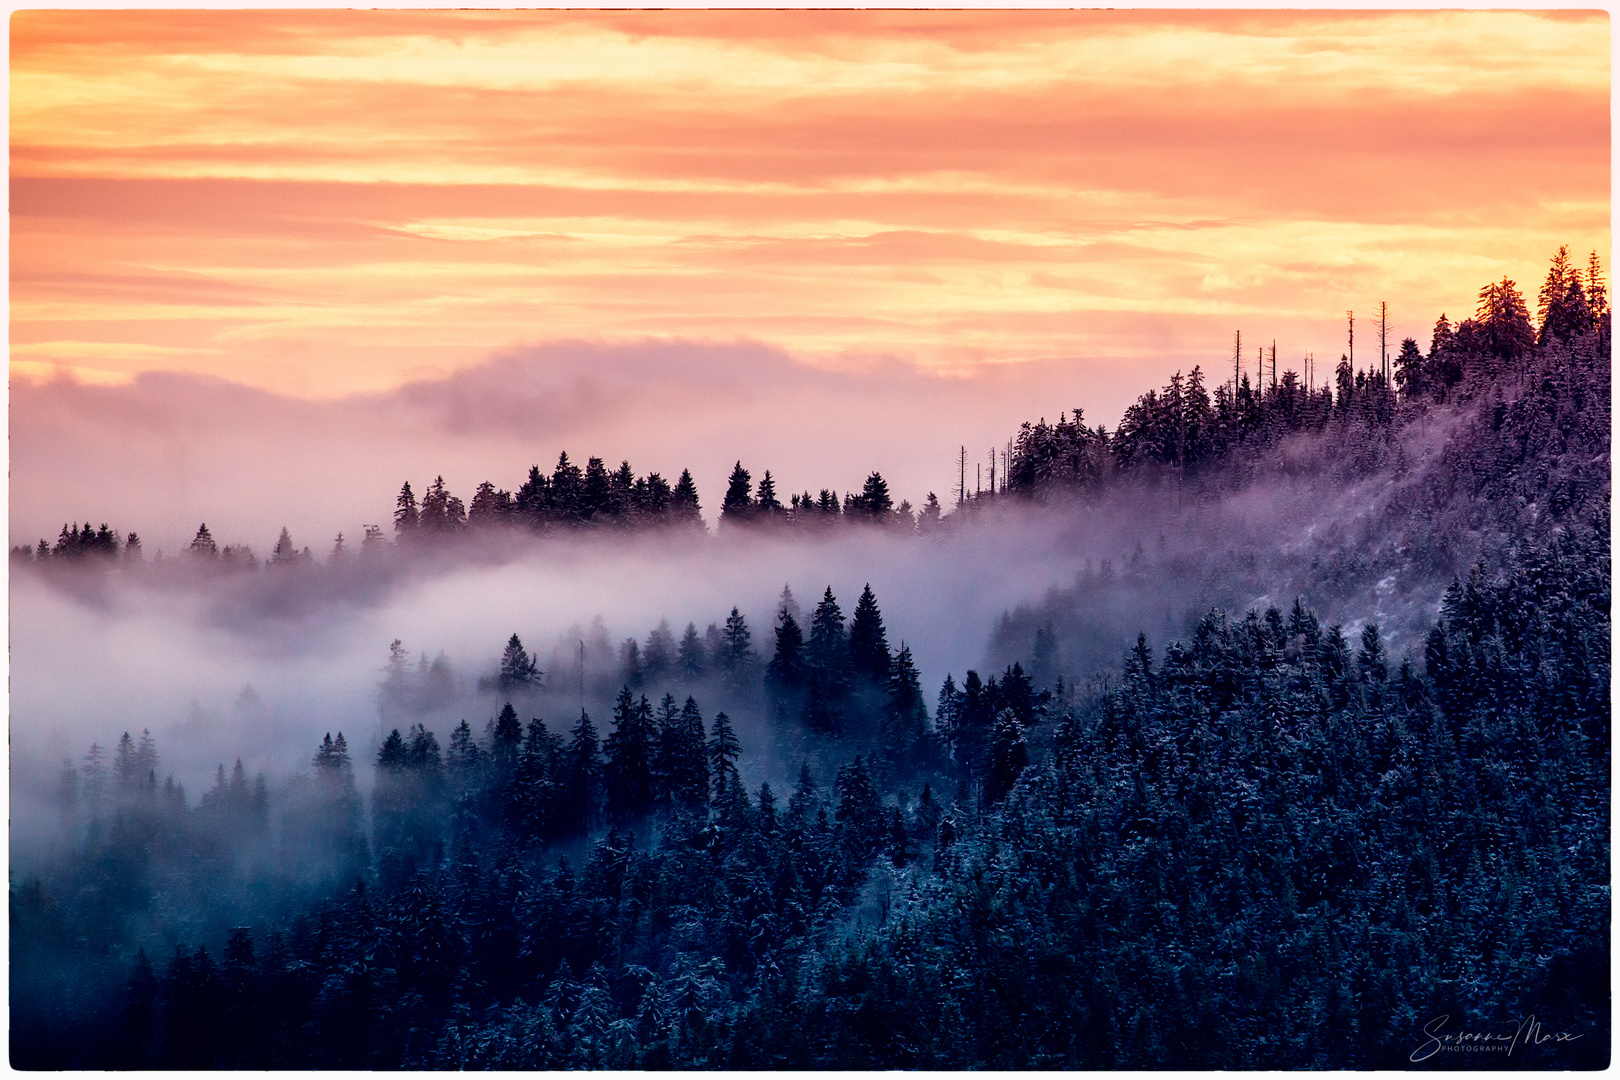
x,y
202,545
406,515
518,668
868,643
737,505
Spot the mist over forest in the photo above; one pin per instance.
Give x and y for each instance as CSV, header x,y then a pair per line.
x,y
168,450
1210,735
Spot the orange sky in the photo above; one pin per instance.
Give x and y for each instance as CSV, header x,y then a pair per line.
x,y
319,203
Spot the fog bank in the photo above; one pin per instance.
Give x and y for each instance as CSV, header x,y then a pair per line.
x,y
168,451
93,659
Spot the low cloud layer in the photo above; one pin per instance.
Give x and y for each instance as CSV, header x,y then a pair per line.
x,y
261,664
235,668
168,451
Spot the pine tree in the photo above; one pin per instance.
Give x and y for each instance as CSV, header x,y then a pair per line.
x,y
539,781
737,655
651,500
488,506
1372,659
1017,693
928,518
766,505
463,758
628,770
441,512
874,502
685,758
691,653
390,807
860,811
1504,320
518,668
724,750
868,643
584,769
1561,306
1442,338
1443,367
341,843
802,804
532,504
630,663
663,730
829,643
1043,656
683,503
621,494
1597,293
284,553
595,494
406,516
566,492
903,735
202,545
714,647
899,843
506,737
737,506
146,758
948,716
1008,756
94,772
973,728
767,817
127,772
1409,369
659,654
786,673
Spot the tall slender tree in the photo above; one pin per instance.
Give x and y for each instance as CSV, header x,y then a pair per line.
x,y
629,752
737,505
904,730
693,663
684,511
828,651
583,777
868,643
724,750
685,758
737,657
766,505
518,669
406,515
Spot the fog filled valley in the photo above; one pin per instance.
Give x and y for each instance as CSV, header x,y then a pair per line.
x,y
1257,732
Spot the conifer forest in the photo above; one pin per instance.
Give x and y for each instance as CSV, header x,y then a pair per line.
x,y
1228,794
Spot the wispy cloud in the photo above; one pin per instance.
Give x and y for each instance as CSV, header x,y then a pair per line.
x,y
329,202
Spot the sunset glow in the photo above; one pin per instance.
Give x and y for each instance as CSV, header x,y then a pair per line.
x,y
319,203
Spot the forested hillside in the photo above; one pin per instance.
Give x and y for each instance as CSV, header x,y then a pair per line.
x,y
1260,838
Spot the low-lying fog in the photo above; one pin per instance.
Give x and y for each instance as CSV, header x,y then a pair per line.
x,y
167,451
259,665
216,672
